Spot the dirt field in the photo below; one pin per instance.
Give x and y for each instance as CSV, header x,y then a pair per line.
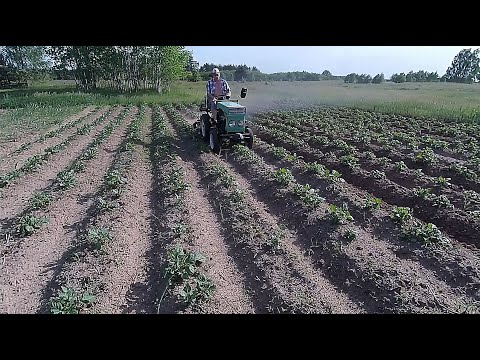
x,y
141,218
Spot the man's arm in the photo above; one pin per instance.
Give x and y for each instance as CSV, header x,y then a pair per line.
x,y
210,95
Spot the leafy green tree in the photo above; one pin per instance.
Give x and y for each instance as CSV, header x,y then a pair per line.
x,y
127,68
364,79
326,75
432,77
207,67
465,67
378,79
410,77
83,60
421,76
350,78
241,72
26,62
25,57
172,65
398,78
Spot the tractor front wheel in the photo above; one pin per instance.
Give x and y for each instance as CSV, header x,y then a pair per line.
x,y
205,126
214,141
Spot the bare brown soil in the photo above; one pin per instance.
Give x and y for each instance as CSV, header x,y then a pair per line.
x,y
15,196
15,161
31,266
264,249
8,149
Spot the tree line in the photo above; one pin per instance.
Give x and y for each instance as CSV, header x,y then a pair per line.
x,y
464,69
133,68
125,68
246,73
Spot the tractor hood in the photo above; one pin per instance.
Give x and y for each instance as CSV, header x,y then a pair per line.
x,y
232,107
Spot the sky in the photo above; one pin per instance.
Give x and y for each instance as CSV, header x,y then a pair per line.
x,y
339,60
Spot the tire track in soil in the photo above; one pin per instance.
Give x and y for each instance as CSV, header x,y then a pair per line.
x,y
15,196
17,160
6,149
230,295
28,270
132,233
293,276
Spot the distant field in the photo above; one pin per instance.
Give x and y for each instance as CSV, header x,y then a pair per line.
x,y
442,100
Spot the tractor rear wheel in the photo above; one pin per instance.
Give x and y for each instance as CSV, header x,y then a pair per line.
x,y
205,126
251,140
214,141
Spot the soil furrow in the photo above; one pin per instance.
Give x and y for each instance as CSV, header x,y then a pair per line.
x,y
452,222
14,197
6,150
457,264
365,260
311,285
14,161
208,239
132,233
28,270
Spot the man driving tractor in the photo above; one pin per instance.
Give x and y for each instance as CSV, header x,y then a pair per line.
x,y
216,88
224,122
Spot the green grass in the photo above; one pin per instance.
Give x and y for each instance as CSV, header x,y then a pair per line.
x,y
440,100
48,95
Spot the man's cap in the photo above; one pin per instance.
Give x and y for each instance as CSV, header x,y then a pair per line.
x,y
215,71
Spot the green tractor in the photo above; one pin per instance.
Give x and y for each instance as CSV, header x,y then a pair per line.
x,y
228,128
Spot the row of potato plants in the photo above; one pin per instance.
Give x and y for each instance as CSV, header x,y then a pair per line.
x,y
400,172
96,235
30,220
182,268
54,133
451,220
36,161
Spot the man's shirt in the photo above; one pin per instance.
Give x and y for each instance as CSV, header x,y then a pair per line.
x,y
211,87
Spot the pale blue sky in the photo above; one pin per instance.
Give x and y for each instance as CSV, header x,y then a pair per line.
x,y
340,60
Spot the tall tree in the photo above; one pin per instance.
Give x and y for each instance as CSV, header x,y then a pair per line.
x,y
26,62
127,68
241,72
465,67
173,60
410,77
25,57
378,79
83,60
433,77
350,78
